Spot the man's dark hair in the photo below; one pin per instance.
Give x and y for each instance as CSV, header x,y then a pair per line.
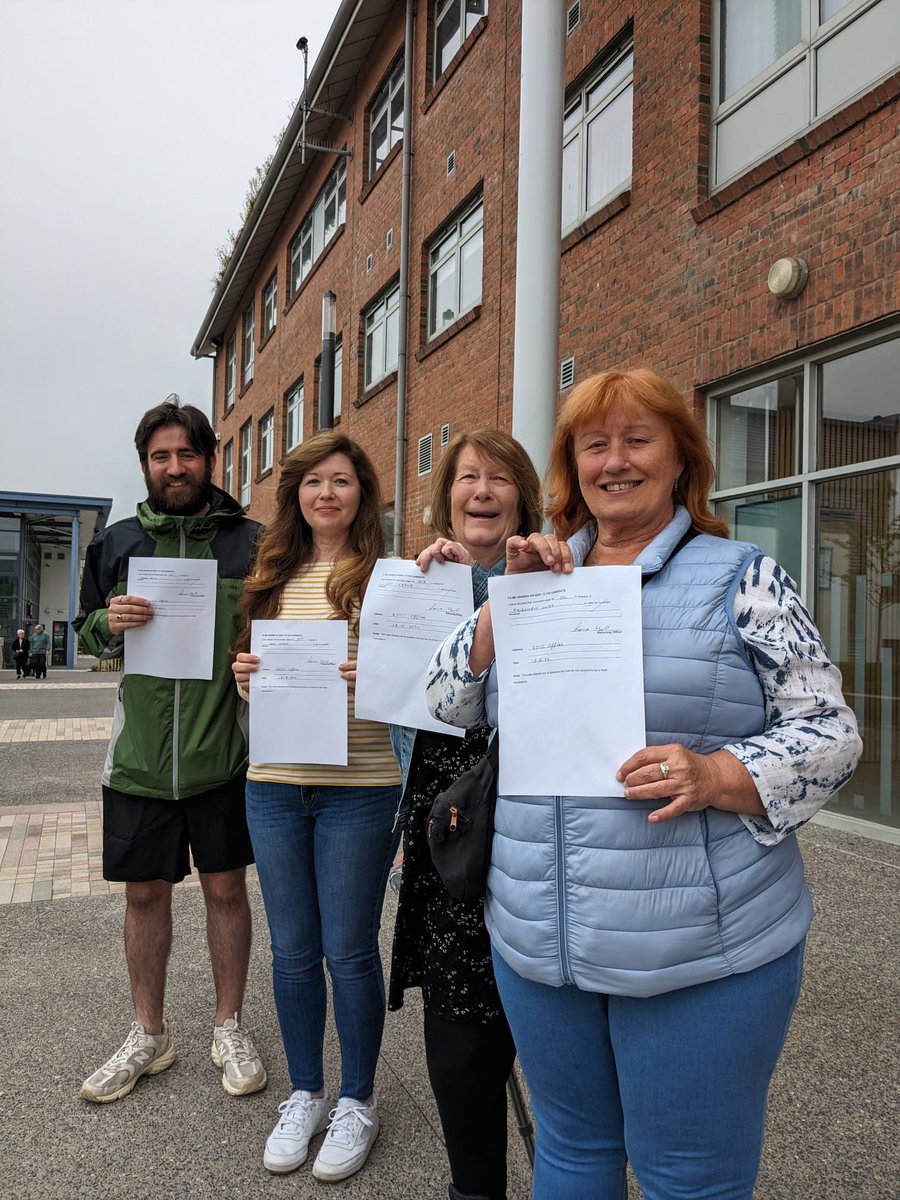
x,y
195,424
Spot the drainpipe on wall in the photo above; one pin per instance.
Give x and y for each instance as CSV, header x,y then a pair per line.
x,y
74,563
403,312
541,100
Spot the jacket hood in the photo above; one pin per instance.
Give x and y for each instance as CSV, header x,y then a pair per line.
x,y
223,509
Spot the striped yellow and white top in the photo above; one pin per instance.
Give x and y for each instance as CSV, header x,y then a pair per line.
x,y
370,759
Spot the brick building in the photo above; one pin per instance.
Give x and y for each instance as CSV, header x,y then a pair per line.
x,y
702,143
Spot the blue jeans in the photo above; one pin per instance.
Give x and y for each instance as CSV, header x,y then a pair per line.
x,y
674,1084
323,854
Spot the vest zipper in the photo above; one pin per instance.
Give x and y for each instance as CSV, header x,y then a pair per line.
x,y
176,710
561,923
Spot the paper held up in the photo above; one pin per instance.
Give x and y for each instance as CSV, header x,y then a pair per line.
x,y
570,678
178,642
405,616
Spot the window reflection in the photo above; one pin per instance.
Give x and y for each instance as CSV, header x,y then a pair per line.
x,y
759,432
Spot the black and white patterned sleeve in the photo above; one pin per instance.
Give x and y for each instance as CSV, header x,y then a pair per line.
x,y
453,694
810,745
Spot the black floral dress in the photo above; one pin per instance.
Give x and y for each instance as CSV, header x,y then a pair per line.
x,y
440,944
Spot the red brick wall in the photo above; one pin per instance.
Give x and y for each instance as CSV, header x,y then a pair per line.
x,y
671,278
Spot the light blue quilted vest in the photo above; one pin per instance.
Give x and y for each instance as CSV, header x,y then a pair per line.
x,y
585,891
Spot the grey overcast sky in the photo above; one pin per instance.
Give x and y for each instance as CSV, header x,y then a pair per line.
x,y
128,133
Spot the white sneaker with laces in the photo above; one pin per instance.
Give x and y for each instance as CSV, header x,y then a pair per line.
x,y
351,1134
234,1052
302,1117
140,1054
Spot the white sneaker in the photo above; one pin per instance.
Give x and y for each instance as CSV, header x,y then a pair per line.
x,y
353,1129
140,1054
234,1052
302,1117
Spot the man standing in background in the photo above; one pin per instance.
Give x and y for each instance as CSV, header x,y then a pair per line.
x,y
40,648
173,784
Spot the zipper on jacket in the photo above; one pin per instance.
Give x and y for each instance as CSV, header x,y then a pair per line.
x,y
561,924
176,708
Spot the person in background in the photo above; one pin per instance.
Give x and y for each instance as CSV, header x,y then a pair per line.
x,y
484,490
173,784
21,652
40,648
323,834
649,946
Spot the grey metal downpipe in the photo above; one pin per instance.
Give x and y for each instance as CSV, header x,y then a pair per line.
x,y
403,313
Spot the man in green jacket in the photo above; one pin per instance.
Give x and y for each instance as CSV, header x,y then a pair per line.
x,y
173,784
40,648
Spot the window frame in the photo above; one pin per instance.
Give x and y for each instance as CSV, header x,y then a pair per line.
x,y
376,316
453,253
245,462
228,467
439,12
230,371
382,105
312,228
610,61
266,451
248,344
338,376
294,413
270,305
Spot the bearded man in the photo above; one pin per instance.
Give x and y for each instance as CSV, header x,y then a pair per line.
x,y
173,783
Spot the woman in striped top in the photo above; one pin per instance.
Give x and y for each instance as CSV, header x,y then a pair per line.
x,y
322,834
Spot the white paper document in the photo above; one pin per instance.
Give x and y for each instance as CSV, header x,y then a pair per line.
x,y
178,642
298,700
571,679
405,616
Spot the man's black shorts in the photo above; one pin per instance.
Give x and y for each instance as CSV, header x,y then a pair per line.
x,y
147,839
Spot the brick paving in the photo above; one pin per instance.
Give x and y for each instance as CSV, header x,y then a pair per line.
x,y
56,729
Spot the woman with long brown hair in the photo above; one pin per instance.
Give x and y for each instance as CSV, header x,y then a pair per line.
x,y
322,834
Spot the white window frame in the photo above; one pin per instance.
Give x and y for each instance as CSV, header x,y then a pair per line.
x,y
230,371
246,462
270,304
578,130
315,232
249,343
228,467
267,441
797,69
338,376
445,248
293,416
377,317
466,23
387,105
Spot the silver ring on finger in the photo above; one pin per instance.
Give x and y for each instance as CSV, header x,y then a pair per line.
x,y
664,769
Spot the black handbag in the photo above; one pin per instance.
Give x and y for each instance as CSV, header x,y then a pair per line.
x,y
460,828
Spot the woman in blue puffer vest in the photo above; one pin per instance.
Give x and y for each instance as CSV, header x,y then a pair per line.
x,y
648,947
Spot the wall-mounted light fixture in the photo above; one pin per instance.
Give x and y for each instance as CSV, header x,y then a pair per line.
x,y
787,277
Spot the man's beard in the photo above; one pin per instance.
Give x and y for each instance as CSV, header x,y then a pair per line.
x,y
186,502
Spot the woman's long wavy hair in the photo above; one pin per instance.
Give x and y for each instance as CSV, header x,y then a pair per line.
x,y
490,443
629,392
287,544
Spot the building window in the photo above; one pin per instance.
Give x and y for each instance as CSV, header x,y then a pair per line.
x,y
228,467
382,336
319,226
386,118
270,305
454,20
267,441
780,65
454,270
597,139
246,463
293,417
338,375
249,342
230,371
808,468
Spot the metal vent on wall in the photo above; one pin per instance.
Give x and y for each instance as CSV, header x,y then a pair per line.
x,y
573,17
451,162
389,239
370,263
566,373
445,435
425,454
